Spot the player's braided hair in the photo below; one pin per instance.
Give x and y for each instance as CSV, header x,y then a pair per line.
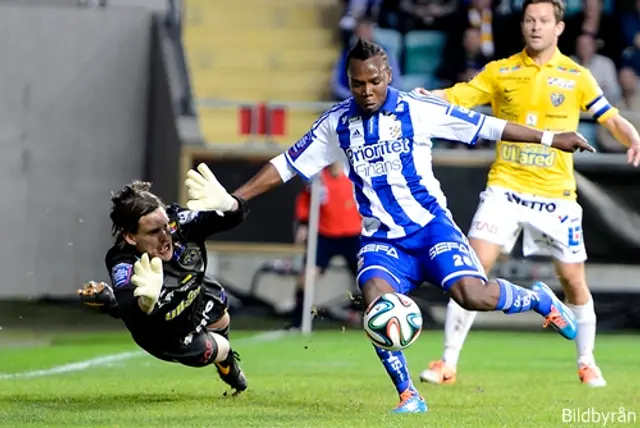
x,y
363,50
134,201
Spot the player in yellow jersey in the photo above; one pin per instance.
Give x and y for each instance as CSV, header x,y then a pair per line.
x,y
531,188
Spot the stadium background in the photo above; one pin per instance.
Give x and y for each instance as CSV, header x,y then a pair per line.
x,y
93,97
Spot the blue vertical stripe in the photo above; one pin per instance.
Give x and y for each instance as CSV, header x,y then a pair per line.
x,y
418,190
344,138
384,191
371,136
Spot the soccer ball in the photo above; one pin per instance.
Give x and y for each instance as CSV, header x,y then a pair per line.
x,y
393,322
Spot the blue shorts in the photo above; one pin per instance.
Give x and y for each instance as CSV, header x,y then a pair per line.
x,y
439,254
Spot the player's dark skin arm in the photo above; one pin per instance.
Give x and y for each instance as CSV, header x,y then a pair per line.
x,y
266,179
565,141
514,132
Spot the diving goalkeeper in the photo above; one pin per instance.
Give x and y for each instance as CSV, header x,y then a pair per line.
x,y
158,283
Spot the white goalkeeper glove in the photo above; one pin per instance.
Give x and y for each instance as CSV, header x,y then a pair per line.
x,y
206,193
148,280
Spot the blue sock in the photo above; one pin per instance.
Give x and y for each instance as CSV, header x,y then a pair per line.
x,y
515,299
396,366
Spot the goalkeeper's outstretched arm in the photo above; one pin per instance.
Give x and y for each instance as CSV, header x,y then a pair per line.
x,y
99,295
199,225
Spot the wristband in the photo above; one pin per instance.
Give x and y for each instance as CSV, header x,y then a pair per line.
x,y
547,138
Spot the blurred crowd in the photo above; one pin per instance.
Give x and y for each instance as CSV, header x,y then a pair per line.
x,y
601,35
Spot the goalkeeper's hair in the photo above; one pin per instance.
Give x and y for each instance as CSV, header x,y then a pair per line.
x,y
364,50
134,201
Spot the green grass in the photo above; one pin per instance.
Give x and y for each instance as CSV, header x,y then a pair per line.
x,y
330,379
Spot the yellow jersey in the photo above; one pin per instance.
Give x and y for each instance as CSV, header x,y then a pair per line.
x,y
548,97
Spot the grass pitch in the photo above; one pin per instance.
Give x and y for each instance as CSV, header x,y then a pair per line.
x,y
329,379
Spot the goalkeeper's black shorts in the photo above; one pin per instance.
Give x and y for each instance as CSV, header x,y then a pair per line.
x,y
196,350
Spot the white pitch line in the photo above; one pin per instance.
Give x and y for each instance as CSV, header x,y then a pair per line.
x,y
73,367
122,356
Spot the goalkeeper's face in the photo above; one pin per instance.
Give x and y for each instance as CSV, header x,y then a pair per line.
x,y
153,236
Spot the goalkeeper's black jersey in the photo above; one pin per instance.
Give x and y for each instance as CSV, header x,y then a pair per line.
x,y
184,305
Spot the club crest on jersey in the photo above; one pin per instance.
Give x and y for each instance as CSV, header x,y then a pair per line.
x,y
557,99
190,257
187,256
390,127
396,130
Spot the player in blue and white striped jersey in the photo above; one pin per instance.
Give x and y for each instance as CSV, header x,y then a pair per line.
x,y
383,136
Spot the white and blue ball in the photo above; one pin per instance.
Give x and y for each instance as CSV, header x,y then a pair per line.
x,y
393,322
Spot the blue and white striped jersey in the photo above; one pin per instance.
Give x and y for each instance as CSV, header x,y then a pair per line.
x,y
387,156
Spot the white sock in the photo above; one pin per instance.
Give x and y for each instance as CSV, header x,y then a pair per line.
x,y
586,339
457,324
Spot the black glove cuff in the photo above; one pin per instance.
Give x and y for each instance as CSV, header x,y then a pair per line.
x,y
242,205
